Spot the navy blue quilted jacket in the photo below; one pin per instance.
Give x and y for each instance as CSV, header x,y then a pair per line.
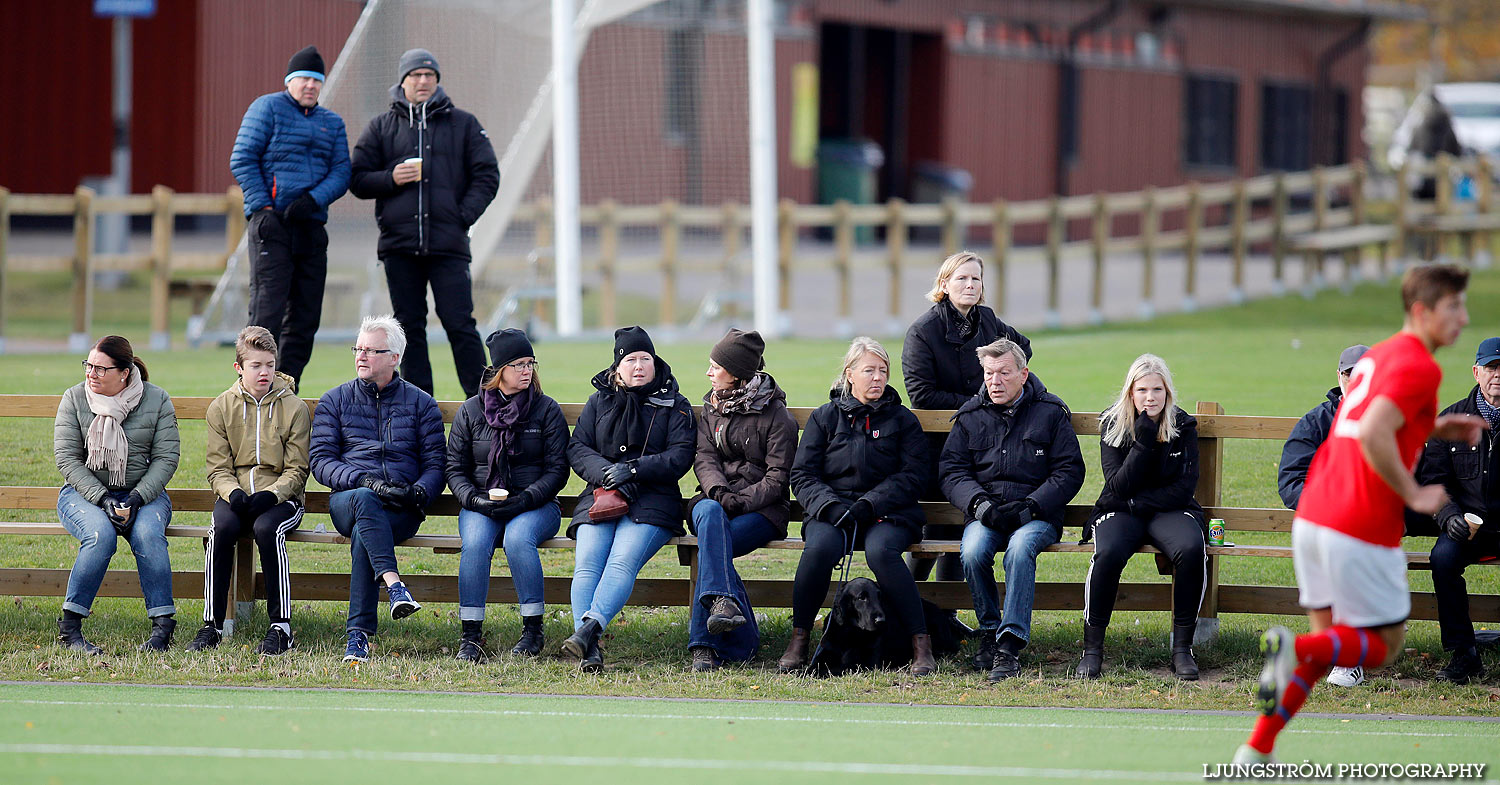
x,y
395,434
283,151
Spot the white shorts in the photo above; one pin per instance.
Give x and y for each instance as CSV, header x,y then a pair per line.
x,y
1364,584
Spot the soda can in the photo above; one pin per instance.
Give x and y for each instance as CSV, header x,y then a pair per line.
x,y
1216,531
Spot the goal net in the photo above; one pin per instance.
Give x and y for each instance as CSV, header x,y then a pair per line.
x,y
663,116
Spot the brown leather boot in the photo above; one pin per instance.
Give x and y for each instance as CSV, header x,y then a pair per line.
x,y
795,657
922,662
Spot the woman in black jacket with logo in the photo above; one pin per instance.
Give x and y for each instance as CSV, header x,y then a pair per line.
x,y
511,437
860,467
633,442
1149,451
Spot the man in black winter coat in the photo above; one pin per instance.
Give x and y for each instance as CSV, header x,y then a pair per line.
x,y
1011,464
431,170
1465,470
1311,431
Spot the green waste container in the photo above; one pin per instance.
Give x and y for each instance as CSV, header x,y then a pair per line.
x,y
847,170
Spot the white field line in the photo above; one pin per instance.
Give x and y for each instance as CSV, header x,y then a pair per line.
x,y
490,759
1350,730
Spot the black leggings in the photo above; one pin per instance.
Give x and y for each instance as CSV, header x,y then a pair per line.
x,y
884,543
1116,538
270,535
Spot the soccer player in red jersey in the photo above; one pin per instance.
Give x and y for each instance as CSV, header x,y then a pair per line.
x,y
1346,537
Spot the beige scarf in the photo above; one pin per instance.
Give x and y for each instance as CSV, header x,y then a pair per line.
x,y
108,447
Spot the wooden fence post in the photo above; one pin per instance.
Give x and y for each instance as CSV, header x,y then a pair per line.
x,y
1190,248
671,235
609,254
843,251
895,244
1312,274
1442,183
1240,217
4,256
786,245
1484,242
542,237
1055,229
1354,257
234,220
1209,494
1403,209
950,226
83,269
1150,224
1000,242
1279,199
731,232
161,268
1100,239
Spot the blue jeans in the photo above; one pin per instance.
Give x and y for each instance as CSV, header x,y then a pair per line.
x,y
521,536
97,541
720,540
980,544
373,531
605,563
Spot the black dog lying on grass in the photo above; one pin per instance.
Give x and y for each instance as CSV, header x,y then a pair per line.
x,y
859,635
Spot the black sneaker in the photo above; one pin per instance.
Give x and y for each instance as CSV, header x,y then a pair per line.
x,y
207,638
276,643
984,659
1464,667
1007,665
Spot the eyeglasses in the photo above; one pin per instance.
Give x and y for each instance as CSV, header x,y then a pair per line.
x,y
89,369
423,75
358,350
523,365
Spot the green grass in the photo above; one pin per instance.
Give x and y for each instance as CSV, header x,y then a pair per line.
x,y
89,733
1270,357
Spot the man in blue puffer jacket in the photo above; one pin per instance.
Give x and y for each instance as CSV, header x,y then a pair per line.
x,y
291,158
377,443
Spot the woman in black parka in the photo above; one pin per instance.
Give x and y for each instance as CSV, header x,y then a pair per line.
x,y
636,435
513,437
860,467
1149,451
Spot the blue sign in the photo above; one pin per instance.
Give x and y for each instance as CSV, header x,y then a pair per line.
x,y
136,8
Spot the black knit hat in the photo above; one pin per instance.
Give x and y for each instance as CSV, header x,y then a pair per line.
x,y
306,62
507,346
740,353
412,59
629,340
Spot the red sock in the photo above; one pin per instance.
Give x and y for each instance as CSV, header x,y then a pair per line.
x,y
1341,645
1263,738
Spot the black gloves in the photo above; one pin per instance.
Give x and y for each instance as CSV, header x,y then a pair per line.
x,y
395,494
835,513
862,512
301,209
387,492
1456,527
238,502
1005,517
514,505
618,474
1145,429
123,523
258,503
717,493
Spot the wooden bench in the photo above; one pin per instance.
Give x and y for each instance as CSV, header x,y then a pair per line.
x,y
1468,227
1348,241
1214,429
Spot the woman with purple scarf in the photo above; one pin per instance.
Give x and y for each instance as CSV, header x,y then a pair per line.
x,y
507,461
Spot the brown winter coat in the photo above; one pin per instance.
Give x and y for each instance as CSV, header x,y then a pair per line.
x,y
749,453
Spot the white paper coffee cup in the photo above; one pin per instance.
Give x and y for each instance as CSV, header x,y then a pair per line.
x,y
418,162
499,494
1474,522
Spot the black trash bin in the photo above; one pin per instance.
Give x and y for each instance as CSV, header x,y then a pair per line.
x,y
933,182
847,169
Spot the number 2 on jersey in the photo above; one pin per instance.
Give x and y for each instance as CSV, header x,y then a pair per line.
x,y
1362,374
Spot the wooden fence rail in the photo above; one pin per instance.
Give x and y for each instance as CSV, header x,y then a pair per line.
x,y
1233,216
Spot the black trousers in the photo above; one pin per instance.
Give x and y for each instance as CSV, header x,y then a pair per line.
x,y
269,529
884,543
288,268
1449,558
1116,538
408,276
949,566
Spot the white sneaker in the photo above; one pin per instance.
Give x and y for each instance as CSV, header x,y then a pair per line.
x,y
1247,754
1277,644
1347,677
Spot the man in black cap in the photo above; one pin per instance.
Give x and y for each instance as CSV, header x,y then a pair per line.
x,y
291,158
1296,456
1469,532
431,170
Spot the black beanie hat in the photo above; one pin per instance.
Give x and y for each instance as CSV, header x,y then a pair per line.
x,y
412,59
629,340
306,62
740,353
507,346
